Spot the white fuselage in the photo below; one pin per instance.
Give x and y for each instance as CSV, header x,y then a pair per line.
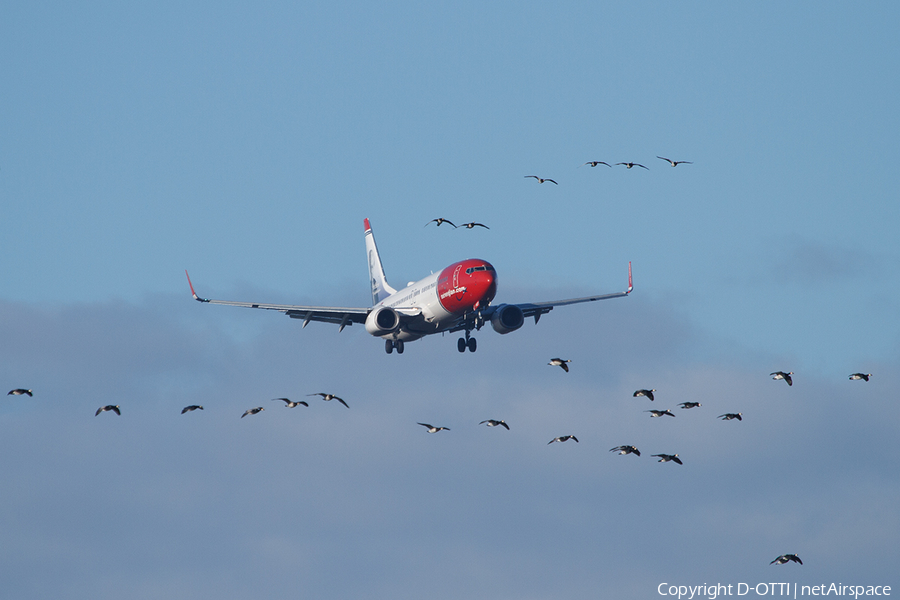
x,y
433,303
421,300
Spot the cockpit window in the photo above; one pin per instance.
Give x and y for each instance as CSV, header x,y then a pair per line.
x,y
471,270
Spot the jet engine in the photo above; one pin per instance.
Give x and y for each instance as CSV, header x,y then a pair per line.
x,y
382,320
506,318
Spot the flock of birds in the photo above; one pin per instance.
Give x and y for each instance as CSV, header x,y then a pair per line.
x,y
560,362
441,221
592,163
627,165
557,362
288,403
663,458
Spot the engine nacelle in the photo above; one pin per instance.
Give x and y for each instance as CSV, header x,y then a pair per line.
x,y
506,318
382,320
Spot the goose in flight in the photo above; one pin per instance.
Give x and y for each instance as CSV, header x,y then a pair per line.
x,y
690,404
559,362
730,416
659,413
541,179
114,409
19,392
563,438
786,558
493,423
594,163
647,393
439,222
668,457
782,375
432,428
854,377
626,450
632,164
329,397
290,403
473,224
675,163
252,411
190,408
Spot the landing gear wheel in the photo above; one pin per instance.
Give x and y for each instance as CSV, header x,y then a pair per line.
x,y
388,346
472,345
399,346
461,344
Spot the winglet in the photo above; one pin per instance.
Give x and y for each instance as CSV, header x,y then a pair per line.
x,y
368,227
193,293
630,284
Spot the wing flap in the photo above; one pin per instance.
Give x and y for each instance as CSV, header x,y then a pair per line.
x,y
336,316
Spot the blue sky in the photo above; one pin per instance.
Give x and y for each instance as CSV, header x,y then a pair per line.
x,y
247,144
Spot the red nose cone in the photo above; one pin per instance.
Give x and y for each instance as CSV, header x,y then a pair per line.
x,y
467,285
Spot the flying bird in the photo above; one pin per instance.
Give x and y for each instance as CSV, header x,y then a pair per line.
x,y
432,428
252,411
690,404
542,180
19,392
190,408
675,163
559,362
730,416
594,163
473,224
493,423
563,438
631,164
439,222
786,558
647,393
782,375
626,450
329,397
668,457
289,403
115,409
659,413
854,377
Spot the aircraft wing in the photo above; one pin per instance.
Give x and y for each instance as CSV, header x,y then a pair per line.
x,y
536,309
324,314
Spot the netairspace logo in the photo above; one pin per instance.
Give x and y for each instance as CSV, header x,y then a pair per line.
x,y
792,590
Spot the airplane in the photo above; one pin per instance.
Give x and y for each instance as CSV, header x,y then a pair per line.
x,y
458,298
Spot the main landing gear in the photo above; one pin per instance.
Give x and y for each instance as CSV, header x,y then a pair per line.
x,y
389,346
466,342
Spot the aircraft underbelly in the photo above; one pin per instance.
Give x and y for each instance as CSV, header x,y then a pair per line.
x,y
432,319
